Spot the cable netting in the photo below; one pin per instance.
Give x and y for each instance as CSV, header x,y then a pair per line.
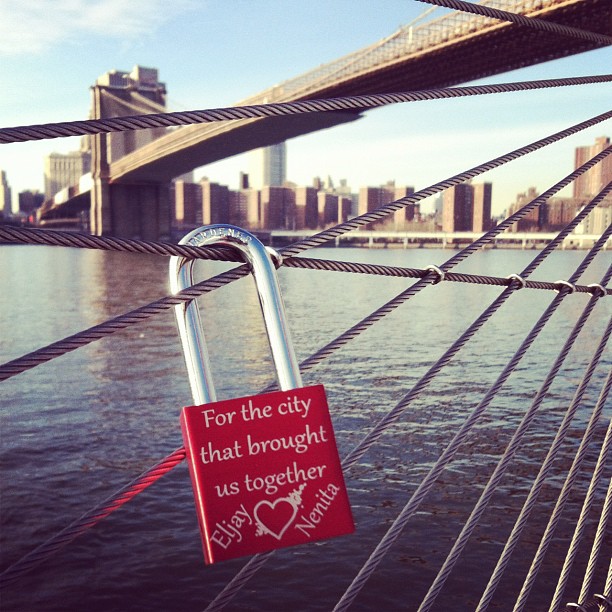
x,y
592,379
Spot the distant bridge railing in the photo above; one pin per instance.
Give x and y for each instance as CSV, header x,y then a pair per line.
x,y
444,238
407,39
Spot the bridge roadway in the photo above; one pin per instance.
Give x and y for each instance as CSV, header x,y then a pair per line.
x,y
454,49
444,239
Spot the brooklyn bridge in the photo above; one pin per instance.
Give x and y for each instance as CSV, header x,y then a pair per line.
x,y
127,192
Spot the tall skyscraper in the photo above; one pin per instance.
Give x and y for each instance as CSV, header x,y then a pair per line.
x,y
594,180
64,170
269,166
6,206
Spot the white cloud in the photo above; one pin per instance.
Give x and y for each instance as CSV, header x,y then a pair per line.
x,y
32,26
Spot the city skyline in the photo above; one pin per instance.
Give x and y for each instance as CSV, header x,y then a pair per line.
x,y
415,144
466,207
272,202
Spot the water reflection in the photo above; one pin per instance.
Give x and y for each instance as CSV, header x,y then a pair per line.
x,y
77,428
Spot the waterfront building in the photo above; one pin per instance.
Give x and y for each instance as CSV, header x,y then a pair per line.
x,y
238,202
532,221
253,204
558,212
345,208
243,181
306,208
481,215
216,204
187,203
344,190
552,215
589,184
202,203
65,170
6,207
458,208
277,207
597,221
245,204
406,214
29,201
327,208
371,198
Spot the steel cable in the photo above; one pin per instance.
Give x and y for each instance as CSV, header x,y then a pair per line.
x,y
528,22
386,209
116,244
606,513
48,237
21,235
514,443
82,338
240,579
90,518
378,314
551,526
513,446
427,483
224,283
30,360
587,504
352,333
130,490
350,103
527,508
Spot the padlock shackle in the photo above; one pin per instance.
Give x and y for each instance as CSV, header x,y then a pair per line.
x,y
188,315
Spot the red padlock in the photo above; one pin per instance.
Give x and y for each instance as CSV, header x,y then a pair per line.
x,y
265,469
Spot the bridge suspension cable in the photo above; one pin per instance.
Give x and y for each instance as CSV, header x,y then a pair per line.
x,y
528,22
143,107
233,113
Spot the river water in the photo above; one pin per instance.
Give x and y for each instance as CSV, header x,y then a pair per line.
x,y
77,428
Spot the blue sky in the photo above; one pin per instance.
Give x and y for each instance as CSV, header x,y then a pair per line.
x,y
214,53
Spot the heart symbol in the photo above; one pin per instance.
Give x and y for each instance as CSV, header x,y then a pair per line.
x,y
275,517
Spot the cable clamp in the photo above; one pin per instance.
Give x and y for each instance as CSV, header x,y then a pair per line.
x,y
598,596
596,289
440,273
518,278
563,283
576,607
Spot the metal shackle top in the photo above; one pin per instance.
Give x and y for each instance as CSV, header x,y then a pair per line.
x,y
270,298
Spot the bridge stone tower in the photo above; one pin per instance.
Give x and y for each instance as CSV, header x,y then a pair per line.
x,y
127,210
